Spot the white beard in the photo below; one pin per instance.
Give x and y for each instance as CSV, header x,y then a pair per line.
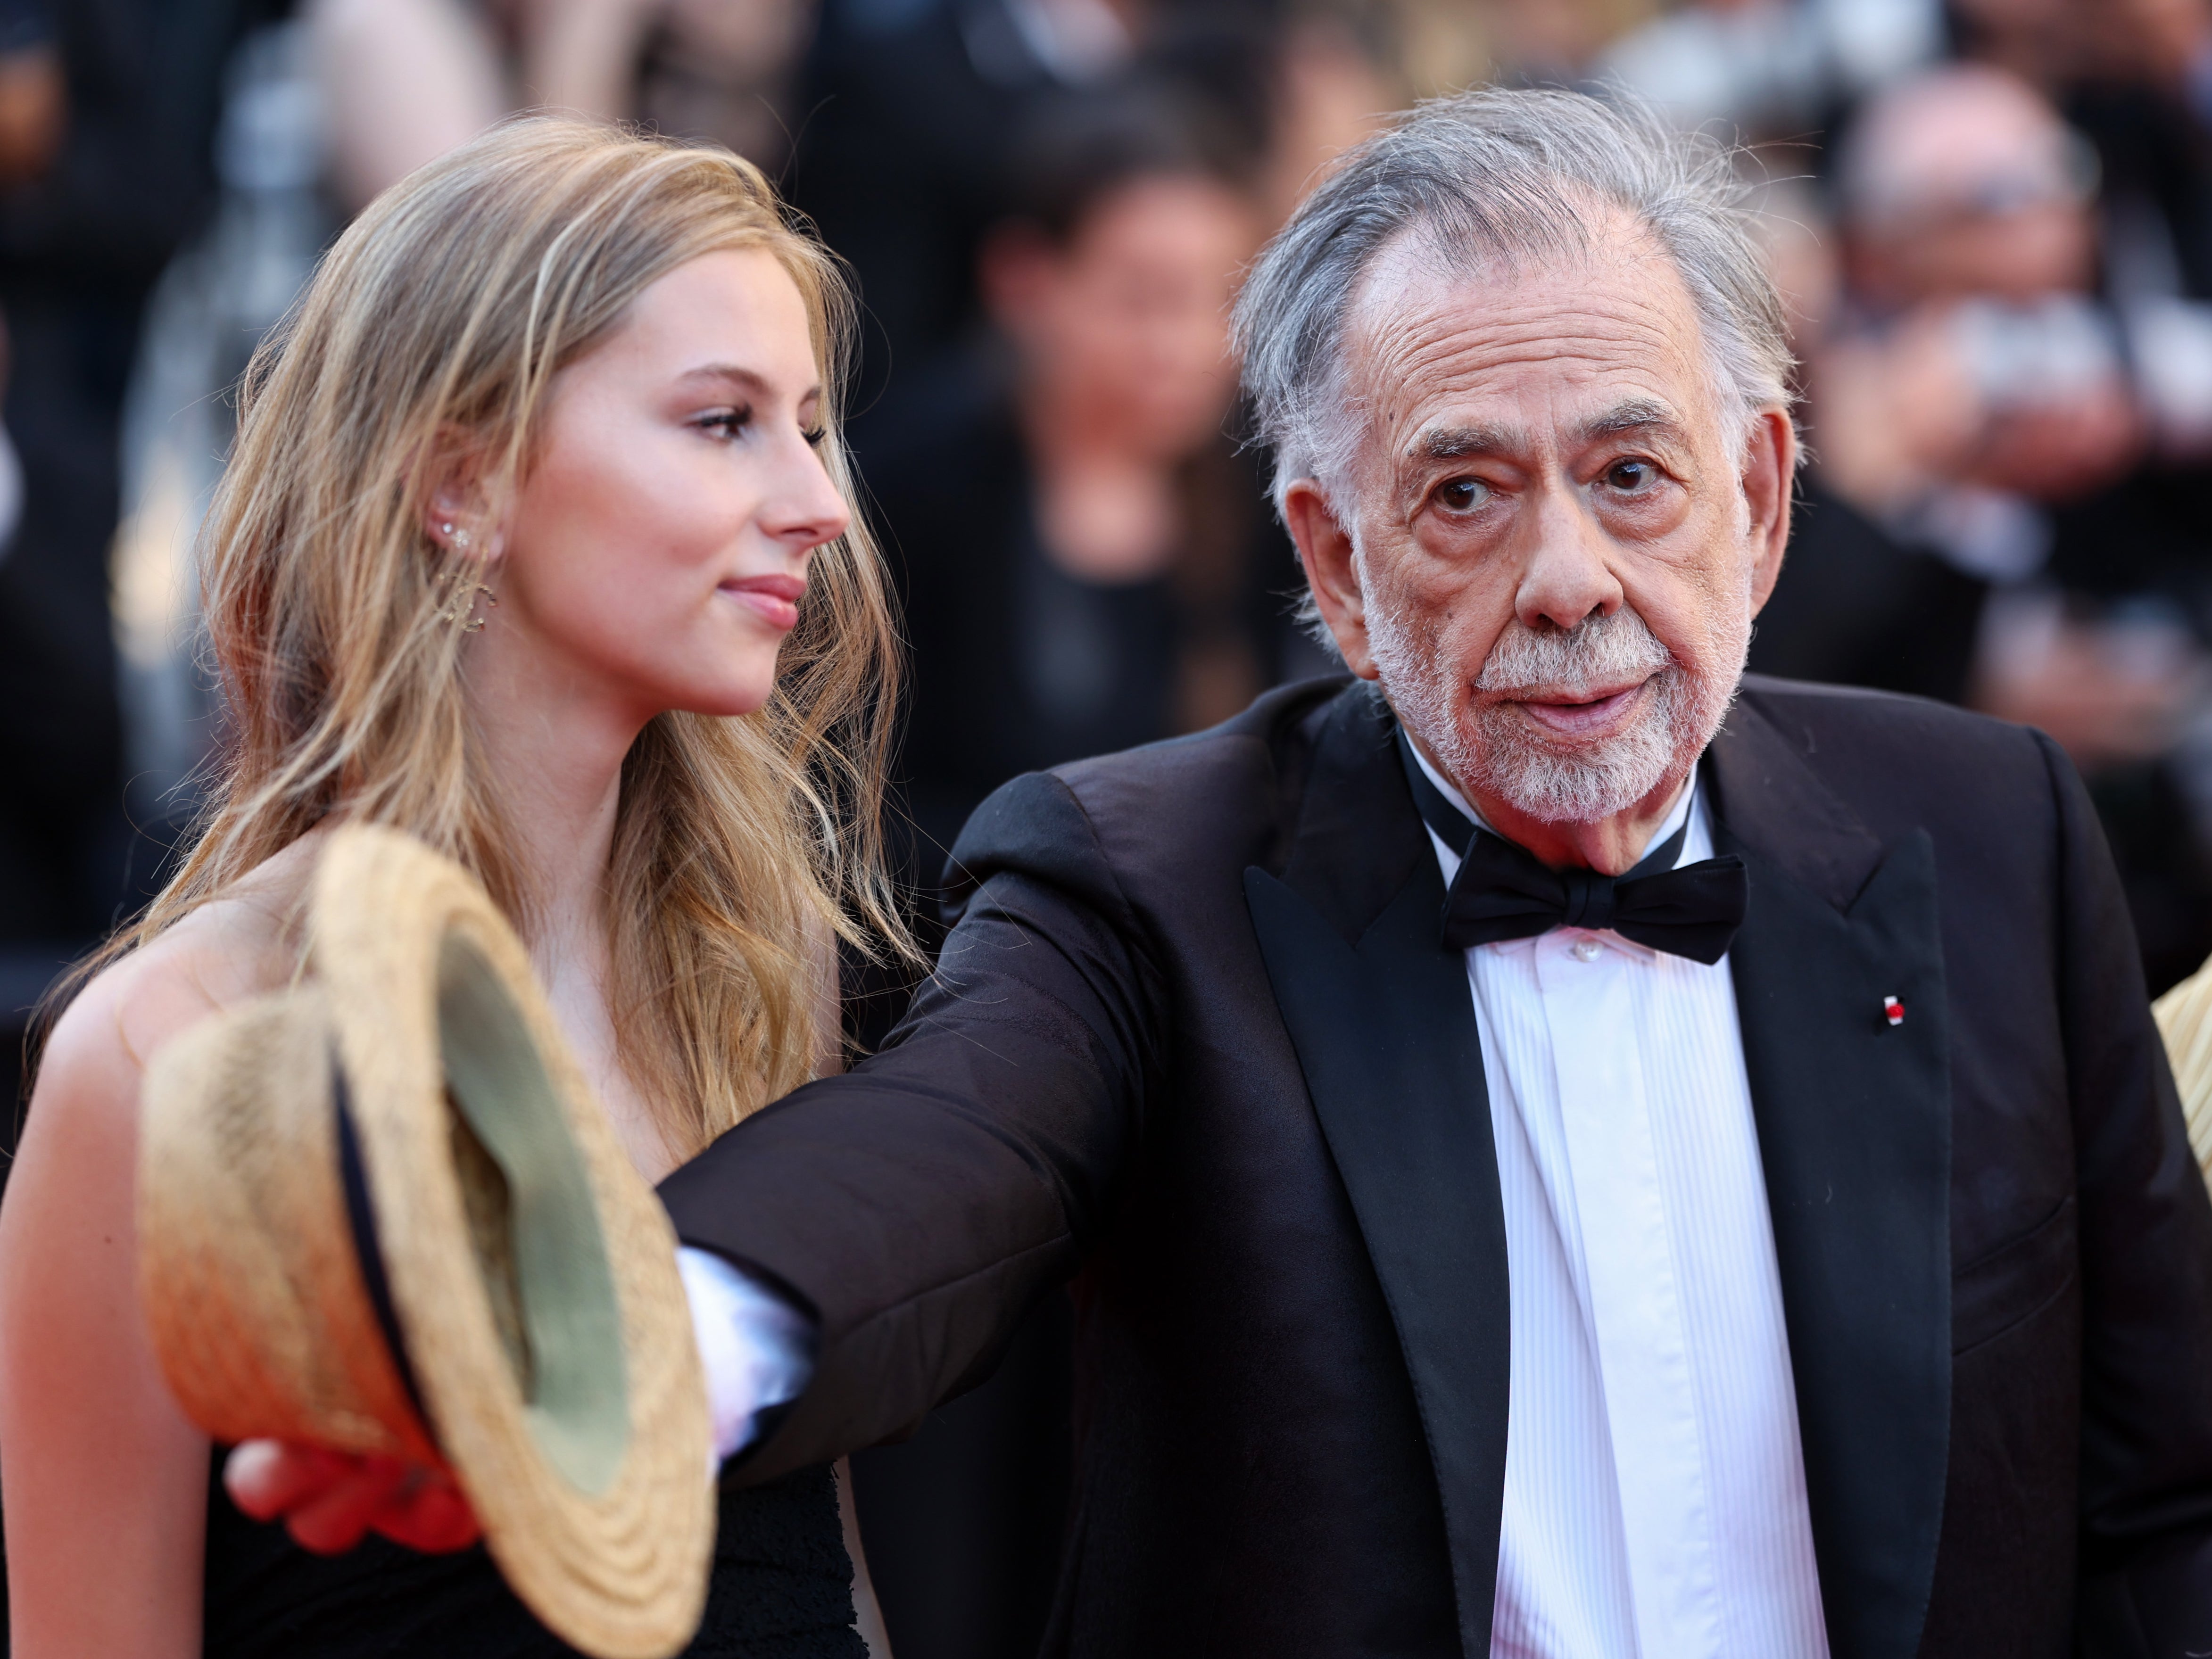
x,y
1552,778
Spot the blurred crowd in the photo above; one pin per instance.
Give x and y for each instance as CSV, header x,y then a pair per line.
x,y
1992,220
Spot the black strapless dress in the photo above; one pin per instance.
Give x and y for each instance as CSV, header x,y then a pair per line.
x,y
782,1589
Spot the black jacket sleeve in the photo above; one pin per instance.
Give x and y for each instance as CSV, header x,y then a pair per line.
x,y
2147,1279
919,1205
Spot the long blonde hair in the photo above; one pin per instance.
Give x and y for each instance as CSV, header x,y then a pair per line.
x,y
742,846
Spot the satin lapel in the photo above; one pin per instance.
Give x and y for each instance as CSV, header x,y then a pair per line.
x,y
1854,1117
1380,1015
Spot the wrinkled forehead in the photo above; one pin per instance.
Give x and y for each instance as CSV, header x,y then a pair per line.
x,y
1542,345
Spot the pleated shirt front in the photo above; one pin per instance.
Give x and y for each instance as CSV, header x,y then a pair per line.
x,y
1654,1485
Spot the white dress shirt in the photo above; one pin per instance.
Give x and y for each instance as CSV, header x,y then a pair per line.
x,y
757,1349
1654,1487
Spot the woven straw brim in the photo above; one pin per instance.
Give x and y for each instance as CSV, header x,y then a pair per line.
x,y
2184,1020
583,1447
247,1272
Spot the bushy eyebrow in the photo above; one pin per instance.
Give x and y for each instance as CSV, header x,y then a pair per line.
x,y
1457,443
1637,415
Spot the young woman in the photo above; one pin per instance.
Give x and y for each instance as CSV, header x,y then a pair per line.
x,y
537,543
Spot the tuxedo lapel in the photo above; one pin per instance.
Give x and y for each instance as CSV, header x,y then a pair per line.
x,y
1379,1013
1854,1131
1853,1115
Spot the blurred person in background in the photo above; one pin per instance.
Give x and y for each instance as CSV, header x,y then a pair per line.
x,y
33,101
219,295
1960,376
1984,422
2037,40
1857,605
722,69
902,159
2140,93
904,162
2138,557
408,80
1770,69
1544,43
1087,566
107,111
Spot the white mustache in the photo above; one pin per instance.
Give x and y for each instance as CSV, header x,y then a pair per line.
x,y
1597,653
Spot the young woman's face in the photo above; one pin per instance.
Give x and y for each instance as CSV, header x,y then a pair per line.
x,y
656,552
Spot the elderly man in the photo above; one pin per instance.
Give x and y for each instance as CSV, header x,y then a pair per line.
x,y
1546,1172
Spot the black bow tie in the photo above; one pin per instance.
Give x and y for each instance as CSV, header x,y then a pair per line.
x,y
1503,891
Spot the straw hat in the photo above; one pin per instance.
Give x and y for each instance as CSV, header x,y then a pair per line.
x,y
2184,1020
382,1213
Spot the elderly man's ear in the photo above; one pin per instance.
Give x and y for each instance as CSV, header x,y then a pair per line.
x,y
1325,549
1770,477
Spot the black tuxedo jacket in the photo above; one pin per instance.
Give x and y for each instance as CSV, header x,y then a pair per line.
x,y
1196,1040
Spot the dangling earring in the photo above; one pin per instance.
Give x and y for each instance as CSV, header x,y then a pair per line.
x,y
461,612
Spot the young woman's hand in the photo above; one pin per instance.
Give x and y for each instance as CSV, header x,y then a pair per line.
x,y
329,1501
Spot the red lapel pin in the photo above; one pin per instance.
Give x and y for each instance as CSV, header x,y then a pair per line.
x,y
1893,1010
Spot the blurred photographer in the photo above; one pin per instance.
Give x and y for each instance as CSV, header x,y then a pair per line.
x,y
1985,402
1975,381
1771,69
1961,378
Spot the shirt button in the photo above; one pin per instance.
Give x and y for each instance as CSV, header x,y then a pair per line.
x,y
1586,950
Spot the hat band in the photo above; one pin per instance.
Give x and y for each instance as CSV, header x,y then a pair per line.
x,y
361,1220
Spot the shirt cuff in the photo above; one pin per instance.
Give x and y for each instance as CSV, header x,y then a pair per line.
x,y
757,1350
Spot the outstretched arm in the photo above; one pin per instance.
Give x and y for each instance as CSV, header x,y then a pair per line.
x,y
917,1206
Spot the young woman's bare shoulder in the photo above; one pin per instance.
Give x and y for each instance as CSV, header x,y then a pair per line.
x,y
78,1146
225,953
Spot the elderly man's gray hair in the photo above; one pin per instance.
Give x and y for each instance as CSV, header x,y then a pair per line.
x,y
1506,177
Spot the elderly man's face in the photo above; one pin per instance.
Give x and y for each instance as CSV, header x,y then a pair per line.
x,y
1553,550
